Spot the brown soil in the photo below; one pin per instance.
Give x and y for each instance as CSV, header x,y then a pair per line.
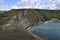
x,y
17,35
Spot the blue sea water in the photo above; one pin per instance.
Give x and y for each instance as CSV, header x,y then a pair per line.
x,y
49,31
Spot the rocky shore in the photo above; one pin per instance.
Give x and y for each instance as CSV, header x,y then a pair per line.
x,y
52,20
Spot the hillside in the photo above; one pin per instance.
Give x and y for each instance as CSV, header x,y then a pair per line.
x,y
27,17
21,19
24,17
30,14
53,13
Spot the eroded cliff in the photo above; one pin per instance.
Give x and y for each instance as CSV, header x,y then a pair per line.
x,y
26,17
13,23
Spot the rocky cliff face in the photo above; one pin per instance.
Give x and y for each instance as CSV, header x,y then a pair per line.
x,y
16,22
25,18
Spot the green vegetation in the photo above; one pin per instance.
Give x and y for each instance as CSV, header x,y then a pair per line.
x,y
6,16
53,13
33,16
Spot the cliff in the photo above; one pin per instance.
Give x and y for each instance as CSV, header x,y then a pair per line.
x,y
23,18
13,23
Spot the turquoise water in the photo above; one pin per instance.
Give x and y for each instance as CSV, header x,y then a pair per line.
x,y
49,31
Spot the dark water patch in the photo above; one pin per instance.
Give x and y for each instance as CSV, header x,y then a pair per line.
x,y
49,31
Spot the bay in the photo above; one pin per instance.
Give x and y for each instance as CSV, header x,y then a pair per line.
x,y
48,31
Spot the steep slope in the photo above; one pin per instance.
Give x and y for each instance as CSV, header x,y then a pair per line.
x,y
13,23
7,15
23,18
26,17
14,27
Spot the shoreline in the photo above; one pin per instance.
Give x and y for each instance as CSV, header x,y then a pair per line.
x,y
52,20
28,29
